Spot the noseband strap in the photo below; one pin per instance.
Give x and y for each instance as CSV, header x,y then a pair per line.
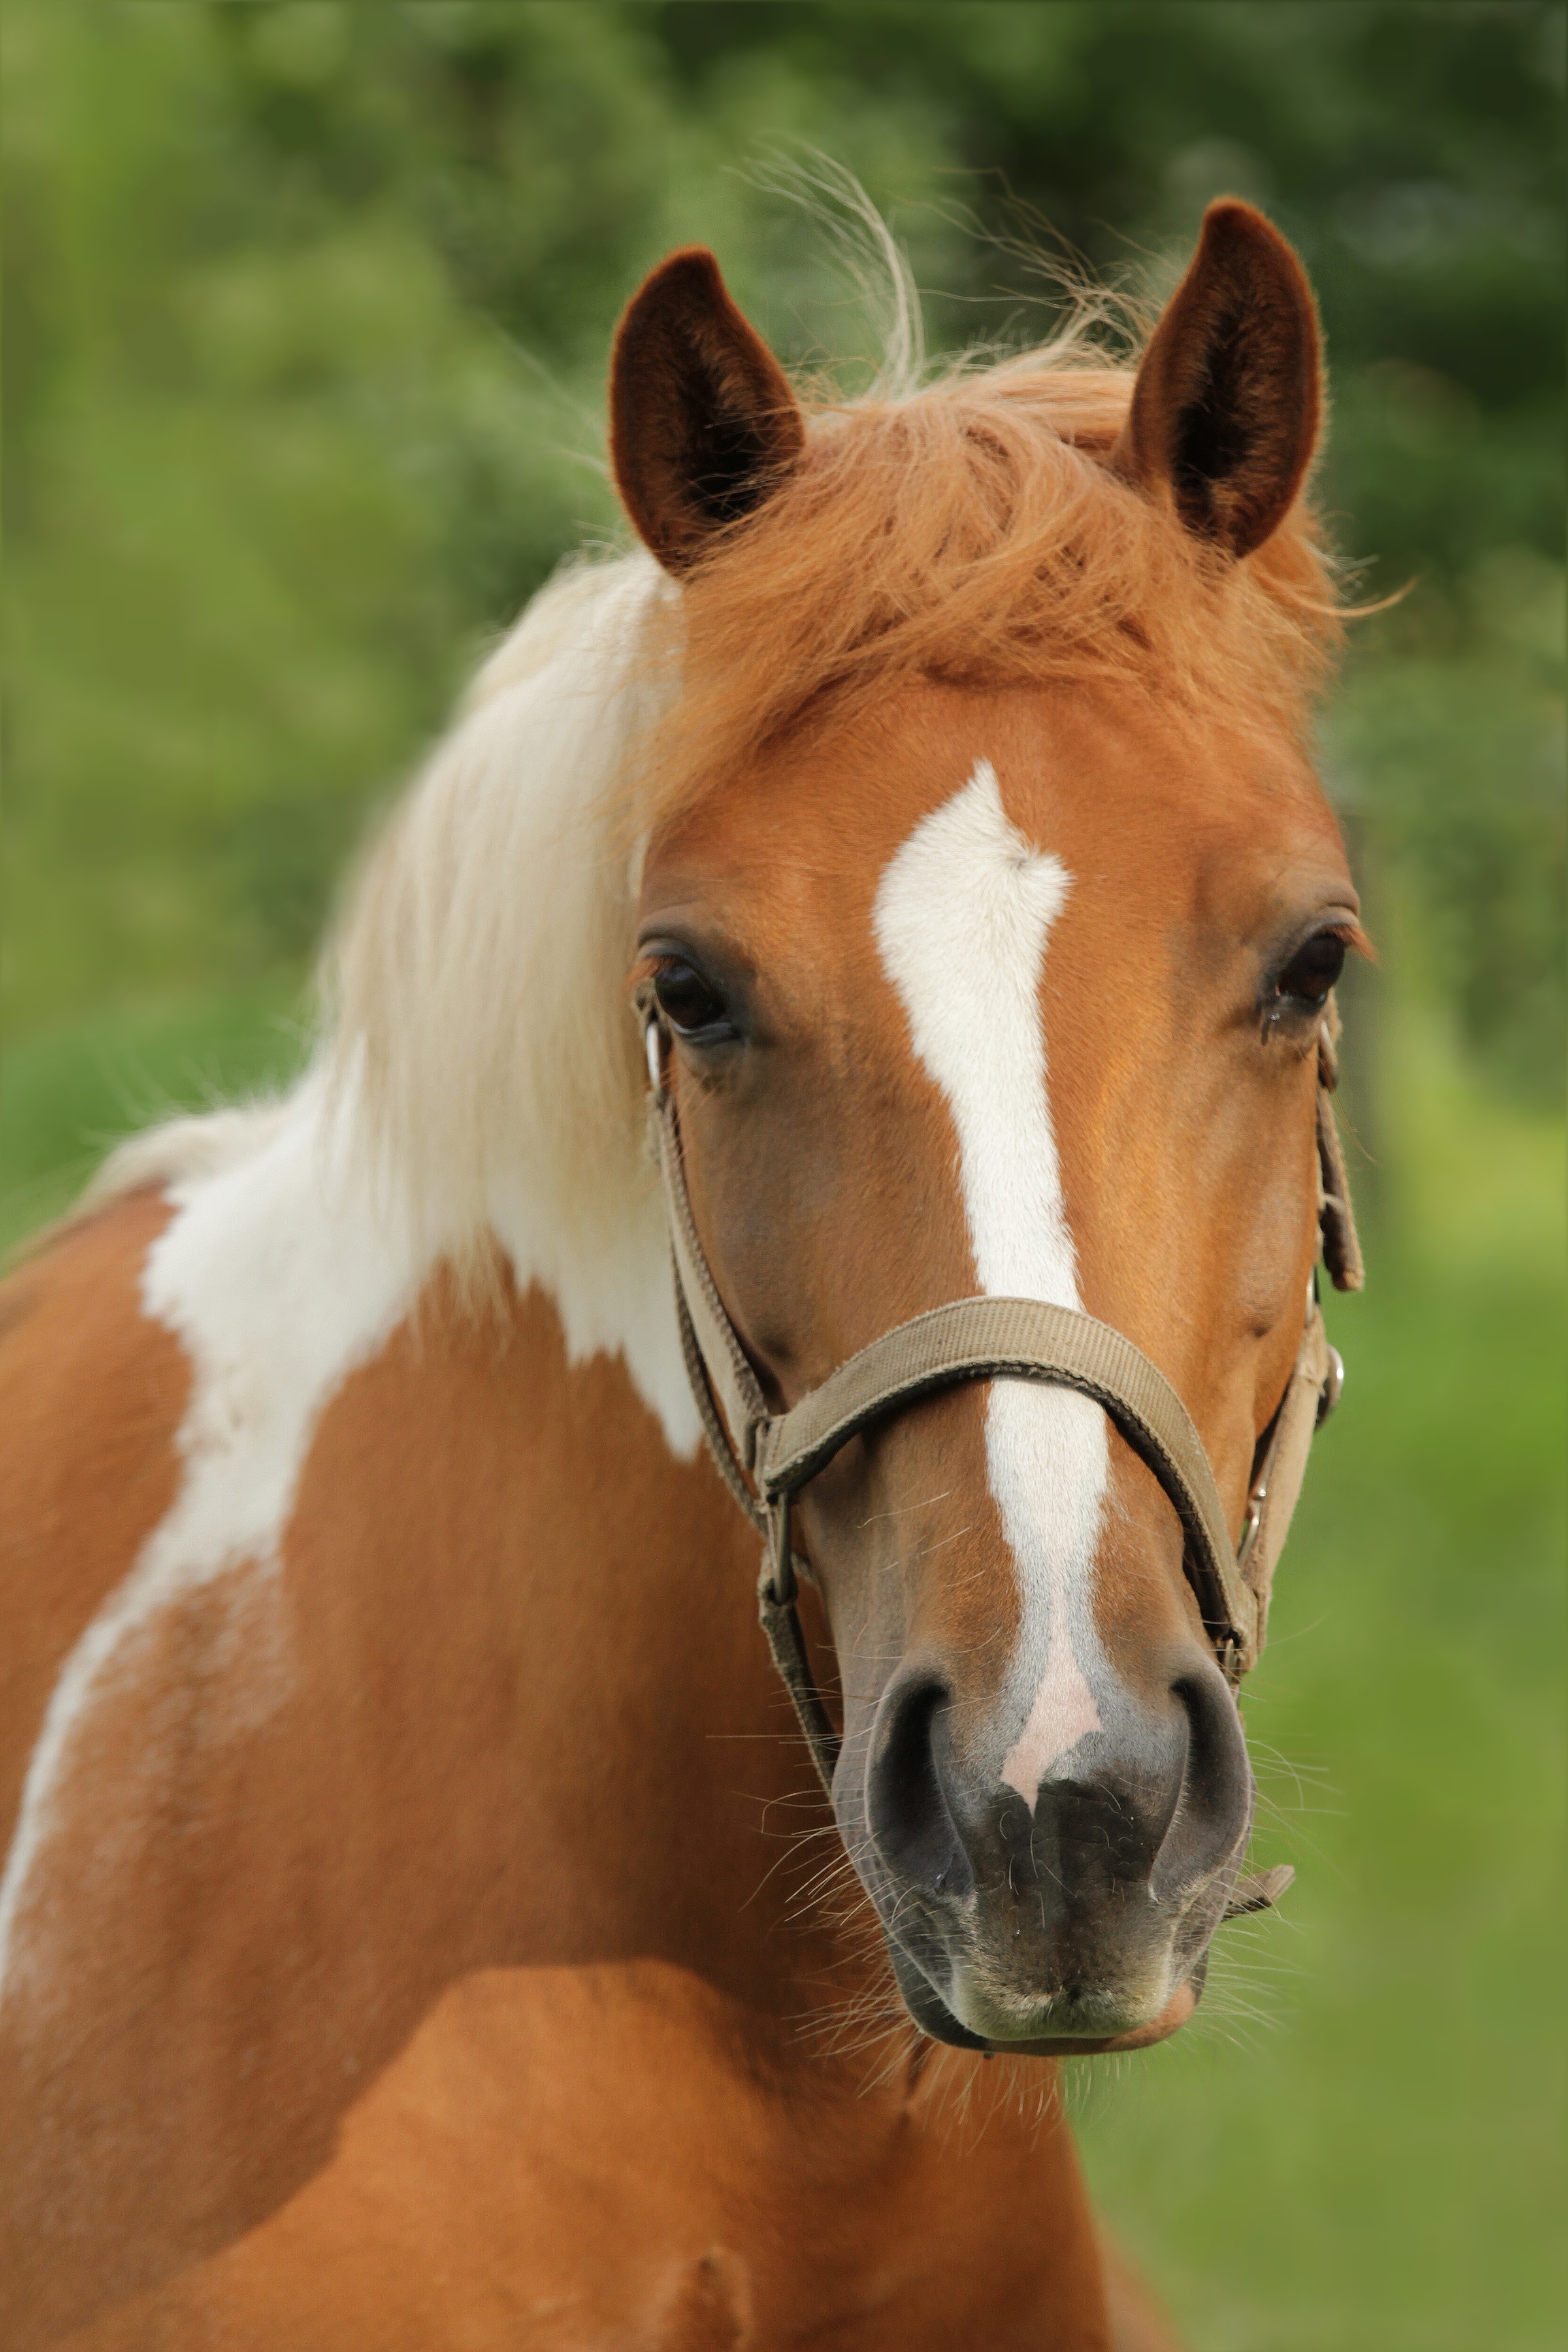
x,y
765,1459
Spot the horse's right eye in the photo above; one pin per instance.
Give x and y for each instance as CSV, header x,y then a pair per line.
x,y
687,1002
1314,969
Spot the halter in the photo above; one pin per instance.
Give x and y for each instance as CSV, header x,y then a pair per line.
x,y
766,1458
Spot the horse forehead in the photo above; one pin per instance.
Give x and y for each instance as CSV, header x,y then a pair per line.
x,y
1083,769
1168,823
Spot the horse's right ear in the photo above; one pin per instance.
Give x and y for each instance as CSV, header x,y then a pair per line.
x,y
703,424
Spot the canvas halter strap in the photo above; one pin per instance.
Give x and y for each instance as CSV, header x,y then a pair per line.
x,y
765,1458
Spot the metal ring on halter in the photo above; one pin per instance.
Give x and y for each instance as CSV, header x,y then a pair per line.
x,y
1333,1386
1253,1520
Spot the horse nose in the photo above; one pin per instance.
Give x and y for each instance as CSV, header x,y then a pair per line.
x,y
913,1809
1161,1816
1162,1807
1214,1806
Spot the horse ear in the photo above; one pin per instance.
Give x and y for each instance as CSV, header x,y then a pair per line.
x,y
703,423
1225,412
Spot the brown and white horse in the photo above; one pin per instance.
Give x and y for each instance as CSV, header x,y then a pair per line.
x,y
393,1949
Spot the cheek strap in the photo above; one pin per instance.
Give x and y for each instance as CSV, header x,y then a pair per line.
x,y
1336,1218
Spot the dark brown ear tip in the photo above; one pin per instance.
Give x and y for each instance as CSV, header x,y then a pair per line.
x,y
691,261
1237,229
1235,215
690,271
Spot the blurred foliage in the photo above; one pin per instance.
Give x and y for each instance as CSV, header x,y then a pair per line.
x,y
306,308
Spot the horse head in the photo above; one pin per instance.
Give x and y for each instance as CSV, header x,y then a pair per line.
x,y
989,914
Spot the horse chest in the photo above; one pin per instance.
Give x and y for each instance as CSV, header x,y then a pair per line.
x,y
617,2157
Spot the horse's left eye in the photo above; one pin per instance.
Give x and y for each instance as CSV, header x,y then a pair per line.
x,y
686,1000
1313,969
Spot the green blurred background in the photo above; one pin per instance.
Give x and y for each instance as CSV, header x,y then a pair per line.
x,y
306,315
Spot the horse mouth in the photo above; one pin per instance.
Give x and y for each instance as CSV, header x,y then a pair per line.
x,y
1170,2019
933,2015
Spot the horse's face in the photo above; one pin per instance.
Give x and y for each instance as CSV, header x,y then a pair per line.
x,y
1014,991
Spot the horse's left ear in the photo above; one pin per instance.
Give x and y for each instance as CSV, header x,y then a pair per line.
x,y
703,423
1226,409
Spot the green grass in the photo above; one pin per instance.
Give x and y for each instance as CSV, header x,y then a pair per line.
x,y
1356,2150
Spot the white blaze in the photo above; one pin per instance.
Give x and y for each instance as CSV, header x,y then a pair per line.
x,y
963,916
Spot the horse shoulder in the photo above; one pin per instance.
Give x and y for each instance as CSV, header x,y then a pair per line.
x,y
92,1391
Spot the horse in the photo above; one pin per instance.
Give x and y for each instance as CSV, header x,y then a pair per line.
x,y
423,1924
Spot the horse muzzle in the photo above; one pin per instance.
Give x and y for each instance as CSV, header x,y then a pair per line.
x,y
1077,1924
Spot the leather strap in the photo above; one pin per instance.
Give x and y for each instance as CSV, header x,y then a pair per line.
x,y
1310,1397
988,1339
1336,1218
1024,1339
730,1375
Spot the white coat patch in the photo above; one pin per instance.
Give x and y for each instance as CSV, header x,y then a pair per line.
x,y
962,916
275,1298
280,1274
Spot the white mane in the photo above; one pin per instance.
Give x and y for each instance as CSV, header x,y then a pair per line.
x,y
479,1036
479,1076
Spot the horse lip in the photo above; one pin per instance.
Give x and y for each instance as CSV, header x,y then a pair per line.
x,y
1170,2019
931,2014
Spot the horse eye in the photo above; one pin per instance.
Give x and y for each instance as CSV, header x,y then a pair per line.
x,y
684,999
1313,969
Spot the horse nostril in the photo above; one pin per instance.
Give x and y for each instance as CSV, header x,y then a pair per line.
x,y
1213,1808
910,1820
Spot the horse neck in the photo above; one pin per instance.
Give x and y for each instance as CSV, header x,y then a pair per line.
x,y
623,1580
535,1601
